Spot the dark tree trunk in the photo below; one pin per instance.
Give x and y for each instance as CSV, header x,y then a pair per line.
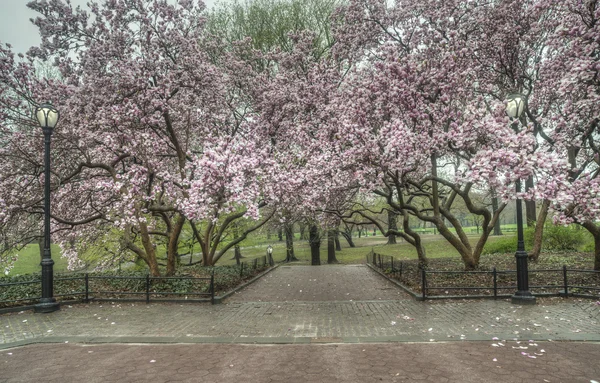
x,y
280,234
597,253
539,231
289,243
348,237
530,205
595,231
268,233
497,230
237,252
315,245
302,231
338,245
416,241
359,232
331,247
392,225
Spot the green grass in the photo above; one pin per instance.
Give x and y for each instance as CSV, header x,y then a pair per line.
x,y
28,261
255,246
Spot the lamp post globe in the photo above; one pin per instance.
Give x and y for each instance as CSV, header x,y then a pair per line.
x,y
515,106
47,116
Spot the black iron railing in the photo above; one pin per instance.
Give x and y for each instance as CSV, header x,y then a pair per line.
x,y
101,287
499,283
142,288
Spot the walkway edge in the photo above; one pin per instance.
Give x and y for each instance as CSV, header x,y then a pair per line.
x,y
583,338
219,299
415,296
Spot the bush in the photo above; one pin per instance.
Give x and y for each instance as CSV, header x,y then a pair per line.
x,y
24,292
562,238
508,244
501,246
556,238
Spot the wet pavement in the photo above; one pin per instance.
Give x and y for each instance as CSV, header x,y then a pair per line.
x,y
298,318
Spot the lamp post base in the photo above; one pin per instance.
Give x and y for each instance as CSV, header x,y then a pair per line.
x,y
522,299
46,307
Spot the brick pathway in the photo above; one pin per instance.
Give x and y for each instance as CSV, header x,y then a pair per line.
x,y
321,284
464,362
363,309
283,318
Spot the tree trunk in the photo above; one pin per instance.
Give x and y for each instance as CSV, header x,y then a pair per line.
x,y
359,232
530,205
497,230
338,245
539,231
348,237
315,245
597,253
173,245
595,231
416,241
280,234
331,247
289,243
237,252
302,231
392,225
459,241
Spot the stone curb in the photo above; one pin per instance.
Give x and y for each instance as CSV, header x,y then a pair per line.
x,y
219,299
587,338
414,295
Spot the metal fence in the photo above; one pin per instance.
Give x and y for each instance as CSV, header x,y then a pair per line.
x,y
88,287
143,288
486,283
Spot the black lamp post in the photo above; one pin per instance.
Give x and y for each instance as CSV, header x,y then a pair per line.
x,y
514,108
47,116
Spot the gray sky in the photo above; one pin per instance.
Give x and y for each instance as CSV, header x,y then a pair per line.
x,y
16,29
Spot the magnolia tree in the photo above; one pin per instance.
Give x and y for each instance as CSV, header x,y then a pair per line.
x,y
571,82
425,110
153,130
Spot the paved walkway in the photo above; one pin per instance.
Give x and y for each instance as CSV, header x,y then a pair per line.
x,y
349,308
464,362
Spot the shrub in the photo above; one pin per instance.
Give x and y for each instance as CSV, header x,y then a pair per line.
x,y
562,238
508,244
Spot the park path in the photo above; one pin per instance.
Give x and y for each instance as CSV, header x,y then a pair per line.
x,y
320,284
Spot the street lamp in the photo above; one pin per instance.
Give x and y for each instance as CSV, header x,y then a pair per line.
x,y
515,105
47,116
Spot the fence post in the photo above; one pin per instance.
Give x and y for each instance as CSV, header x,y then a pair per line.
x,y
87,288
565,281
495,283
424,283
212,287
400,271
147,288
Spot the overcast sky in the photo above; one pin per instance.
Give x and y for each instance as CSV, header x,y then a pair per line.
x,y
16,29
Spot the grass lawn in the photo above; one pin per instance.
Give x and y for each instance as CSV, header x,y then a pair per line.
x,y
435,246
255,246
28,261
